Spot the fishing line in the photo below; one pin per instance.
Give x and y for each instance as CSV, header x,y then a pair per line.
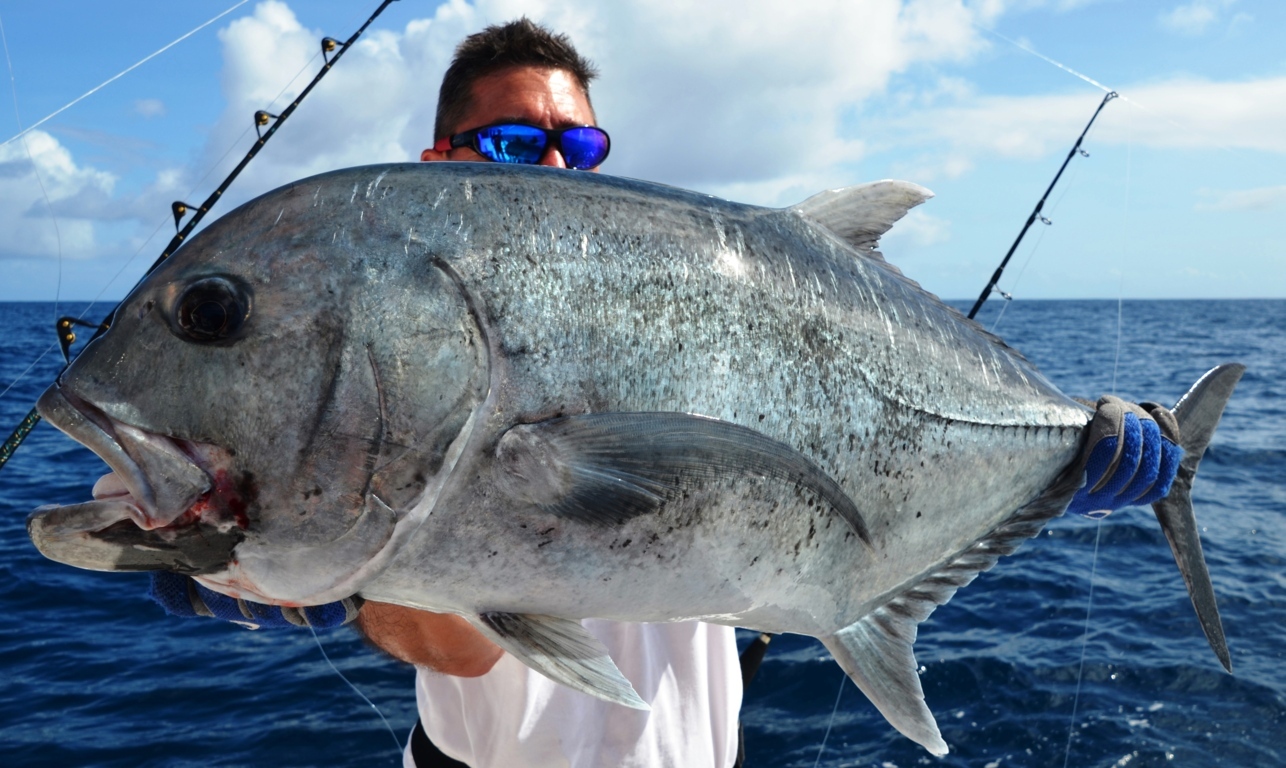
x,y
397,743
196,185
23,375
834,711
1093,82
58,236
180,209
1085,640
1120,282
119,75
1098,530
126,265
1039,55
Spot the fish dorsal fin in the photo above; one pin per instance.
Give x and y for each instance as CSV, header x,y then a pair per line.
x,y
877,650
563,651
861,214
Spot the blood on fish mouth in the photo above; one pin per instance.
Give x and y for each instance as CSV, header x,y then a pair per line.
x,y
160,483
222,506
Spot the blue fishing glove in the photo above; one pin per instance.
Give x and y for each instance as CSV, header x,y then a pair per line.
x,y
1130,459
182,596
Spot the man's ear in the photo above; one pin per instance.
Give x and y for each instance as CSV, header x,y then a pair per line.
x,y
431,155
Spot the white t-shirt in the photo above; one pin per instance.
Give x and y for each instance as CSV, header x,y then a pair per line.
x,y
512,717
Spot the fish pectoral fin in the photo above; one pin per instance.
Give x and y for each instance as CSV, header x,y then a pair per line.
x,y
877,654
563,651
609,467
859,215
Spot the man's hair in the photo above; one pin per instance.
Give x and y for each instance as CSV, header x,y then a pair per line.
x,y
520,43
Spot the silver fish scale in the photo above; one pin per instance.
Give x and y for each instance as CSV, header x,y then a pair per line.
x,y
614,296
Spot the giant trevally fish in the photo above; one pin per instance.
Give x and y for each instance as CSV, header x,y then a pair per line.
x,y
528,397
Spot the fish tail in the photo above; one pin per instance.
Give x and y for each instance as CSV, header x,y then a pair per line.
x,y
1198,413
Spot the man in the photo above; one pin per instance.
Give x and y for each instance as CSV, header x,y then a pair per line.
x,y
518,93
506,87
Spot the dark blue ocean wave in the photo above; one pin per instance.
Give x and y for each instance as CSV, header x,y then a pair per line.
x,y
94,674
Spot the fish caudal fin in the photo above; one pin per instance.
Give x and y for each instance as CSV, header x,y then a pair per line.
x,y
1198,413
877,654
563,651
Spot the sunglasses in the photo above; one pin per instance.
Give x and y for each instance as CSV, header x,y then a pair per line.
x,y
582,147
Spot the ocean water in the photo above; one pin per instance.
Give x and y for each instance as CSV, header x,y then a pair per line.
x,y
94,674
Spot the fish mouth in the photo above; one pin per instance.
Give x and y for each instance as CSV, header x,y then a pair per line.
x,y
167,504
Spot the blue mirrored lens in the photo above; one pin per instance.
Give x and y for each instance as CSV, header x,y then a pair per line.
x,y
512,144
584,147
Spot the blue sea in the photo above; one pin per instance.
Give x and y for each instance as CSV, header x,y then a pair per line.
x,y
1022,668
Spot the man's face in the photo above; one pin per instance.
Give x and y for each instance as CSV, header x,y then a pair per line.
x,y
548,98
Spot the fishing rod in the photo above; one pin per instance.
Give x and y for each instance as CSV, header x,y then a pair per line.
x,y
1035,214
64,327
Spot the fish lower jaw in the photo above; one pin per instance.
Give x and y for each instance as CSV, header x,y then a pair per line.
x,y
218,507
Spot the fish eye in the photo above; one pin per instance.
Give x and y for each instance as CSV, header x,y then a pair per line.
x,y
211,310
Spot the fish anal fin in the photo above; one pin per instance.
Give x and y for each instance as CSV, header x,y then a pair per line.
x,y
877,654
563,651
877,650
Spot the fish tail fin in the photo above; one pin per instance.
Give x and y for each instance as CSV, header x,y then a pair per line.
x,y
1198,413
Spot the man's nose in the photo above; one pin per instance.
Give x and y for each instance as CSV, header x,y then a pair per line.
x,y
553,158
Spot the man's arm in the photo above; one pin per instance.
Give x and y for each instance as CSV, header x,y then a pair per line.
x,y
442,642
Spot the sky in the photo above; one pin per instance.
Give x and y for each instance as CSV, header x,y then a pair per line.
x,y
1182,193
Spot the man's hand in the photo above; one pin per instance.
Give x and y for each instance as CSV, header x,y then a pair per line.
x,y
442,642
182,596
1130,458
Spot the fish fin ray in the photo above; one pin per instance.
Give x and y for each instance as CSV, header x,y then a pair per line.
x,y
861,214
606,468
563,651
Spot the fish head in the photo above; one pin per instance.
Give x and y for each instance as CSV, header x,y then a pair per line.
x,y
274,402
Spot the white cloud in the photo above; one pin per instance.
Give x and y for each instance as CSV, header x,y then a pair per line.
x,y
24,214
149,108
1177,114
1260,199
917,229
1195,17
